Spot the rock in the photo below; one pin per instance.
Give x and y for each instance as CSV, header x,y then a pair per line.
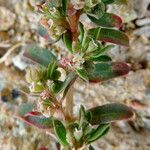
x,y
7,19
140,7
142,22
145,31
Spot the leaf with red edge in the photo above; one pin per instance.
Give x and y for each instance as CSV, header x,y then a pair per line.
x,y
43,32
107,20
109,113
38,120
34,118
111,35
108,70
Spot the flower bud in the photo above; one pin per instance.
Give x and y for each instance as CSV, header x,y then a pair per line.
x,y
56,31
33,75
78,134
36,87
55,13
91,3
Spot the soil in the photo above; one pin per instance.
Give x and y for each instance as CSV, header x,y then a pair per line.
x,y
19,27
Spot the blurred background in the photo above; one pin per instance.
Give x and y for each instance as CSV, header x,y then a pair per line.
x,y
19,27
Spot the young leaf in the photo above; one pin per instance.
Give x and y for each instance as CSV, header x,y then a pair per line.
x,y
100,51
110,113
60,132
38,120
51,69
39,55
66,84
108,70
67,41
97,133
112,36
102,58
81,28
107,20
82,116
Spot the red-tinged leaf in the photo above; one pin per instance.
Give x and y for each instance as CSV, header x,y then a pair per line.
x,y
110,113
39,55
108,70
135,104
38,120
113,36
43,32
107,20
110,35
43,148
33,113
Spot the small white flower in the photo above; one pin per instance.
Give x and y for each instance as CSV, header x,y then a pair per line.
x,y
78,60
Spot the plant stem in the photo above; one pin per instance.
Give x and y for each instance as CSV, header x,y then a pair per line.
x,y
69,103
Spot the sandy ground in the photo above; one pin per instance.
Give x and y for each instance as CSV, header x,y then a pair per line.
x,y
135,87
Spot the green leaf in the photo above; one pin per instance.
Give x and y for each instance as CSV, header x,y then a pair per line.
x,y
51,68
108,70
110,113
38,120
91,147
112,36
64,6
89,66
60,132
67,41
107,20
25,108
97,11
57,86
115,1
108,1
81,28
52,73
82,74
102,58
103,50
39,55
97,133
64,86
